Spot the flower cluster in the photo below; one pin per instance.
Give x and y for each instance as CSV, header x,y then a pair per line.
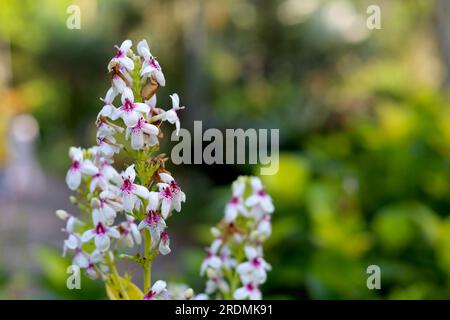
x,y
234,264
128,208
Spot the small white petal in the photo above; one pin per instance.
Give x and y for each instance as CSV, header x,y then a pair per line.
x,y
141,191
73,179
87,235
102,242
240,294
159,286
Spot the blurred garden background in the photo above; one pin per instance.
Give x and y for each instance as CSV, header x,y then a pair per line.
x,y
364,119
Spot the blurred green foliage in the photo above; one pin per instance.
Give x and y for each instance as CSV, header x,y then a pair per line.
x,y
365,142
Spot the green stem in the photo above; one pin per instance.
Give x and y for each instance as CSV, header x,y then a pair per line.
x,y
148,259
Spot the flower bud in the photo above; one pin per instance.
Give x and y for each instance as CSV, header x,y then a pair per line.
x,y
215,232
73,200
188,294
95,203
62,214
210,273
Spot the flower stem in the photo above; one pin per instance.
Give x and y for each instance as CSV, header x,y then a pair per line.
x,y
148,260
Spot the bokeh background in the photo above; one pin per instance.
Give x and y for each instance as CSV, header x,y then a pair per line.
x,y
364,119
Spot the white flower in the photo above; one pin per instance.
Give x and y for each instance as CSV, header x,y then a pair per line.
x,y
79,166
131,191
101,234
106,128
106,174
264,226
130,111
152,104
154,223
158,291
236,203
255,269
164,243
227,258
101,211
171,115
216,282
211,261
248,291
71,221
142,132
143,50
80,257
108,146
108,108
171,194
118,84
121,56
129,232
259,196
150,67
95,258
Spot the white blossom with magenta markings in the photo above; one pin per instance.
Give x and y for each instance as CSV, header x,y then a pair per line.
x,y
127,209
133,208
